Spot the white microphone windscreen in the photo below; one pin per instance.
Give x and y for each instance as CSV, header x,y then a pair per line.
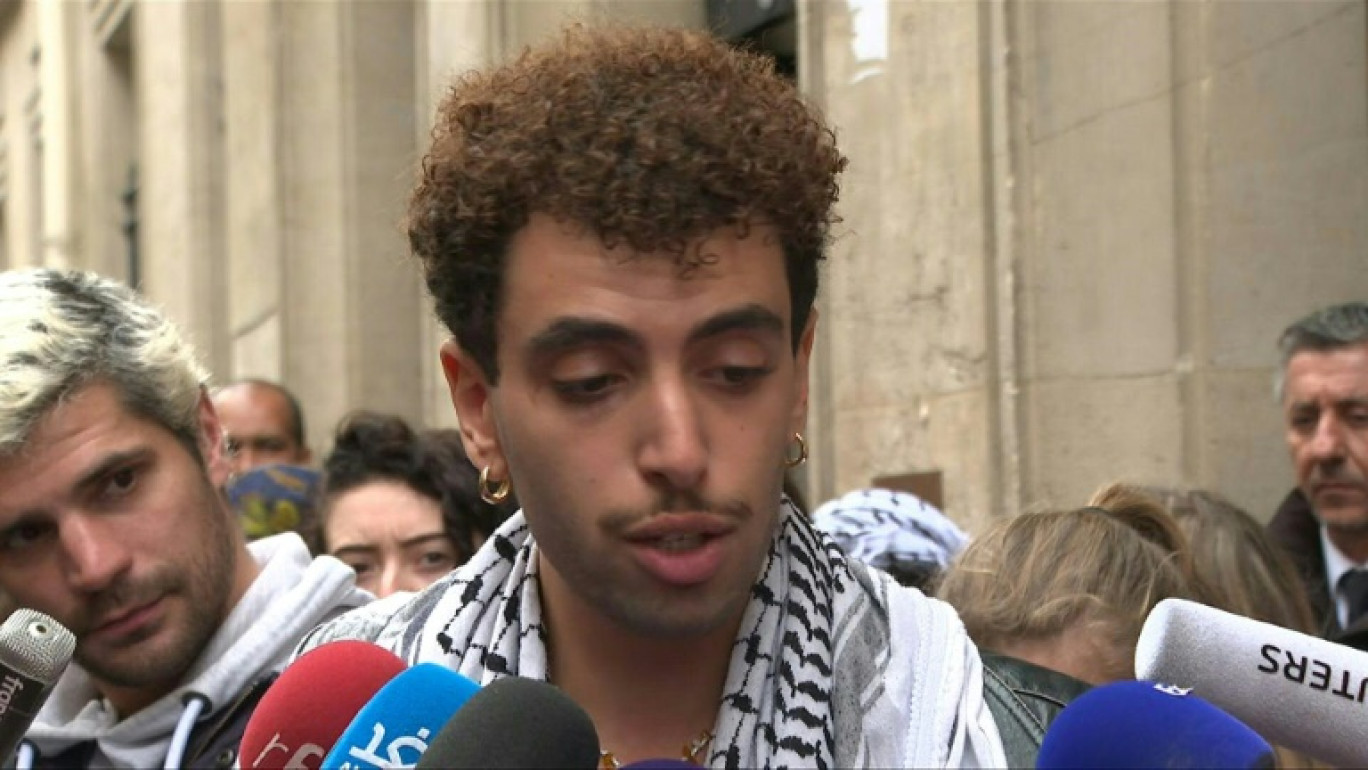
x,y
1304,693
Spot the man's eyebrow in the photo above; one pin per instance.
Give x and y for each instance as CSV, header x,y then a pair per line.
x,y
568,333
112,462
1348,402
571,332
746,318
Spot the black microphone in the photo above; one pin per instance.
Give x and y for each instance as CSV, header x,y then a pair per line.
x,y
515,722
34,651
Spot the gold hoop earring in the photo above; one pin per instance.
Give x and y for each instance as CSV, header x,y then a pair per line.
x,y
794,462
497,493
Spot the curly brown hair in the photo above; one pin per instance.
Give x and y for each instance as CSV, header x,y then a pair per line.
x,y
649,137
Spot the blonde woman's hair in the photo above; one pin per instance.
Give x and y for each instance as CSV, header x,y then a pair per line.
x,y
1241,569
1244,572
1095,571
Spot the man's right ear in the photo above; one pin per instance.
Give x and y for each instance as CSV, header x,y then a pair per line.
x,y
470,396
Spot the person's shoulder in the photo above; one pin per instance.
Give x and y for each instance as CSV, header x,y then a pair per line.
x,y
394,622
888,593
373,622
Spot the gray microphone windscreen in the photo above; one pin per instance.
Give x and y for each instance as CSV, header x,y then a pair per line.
x,y
34,651
1304,693
36,646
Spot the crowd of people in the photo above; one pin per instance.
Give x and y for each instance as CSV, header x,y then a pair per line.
x,y
621,231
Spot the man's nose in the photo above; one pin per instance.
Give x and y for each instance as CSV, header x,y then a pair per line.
x,y
675,450
94,556
1328,442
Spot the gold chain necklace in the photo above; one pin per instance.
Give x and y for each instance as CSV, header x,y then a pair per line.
x,y
689,753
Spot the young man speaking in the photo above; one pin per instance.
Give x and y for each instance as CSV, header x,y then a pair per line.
x,y
622,231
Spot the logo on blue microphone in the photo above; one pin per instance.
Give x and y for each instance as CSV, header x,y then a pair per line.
x,y
1173,689
394,756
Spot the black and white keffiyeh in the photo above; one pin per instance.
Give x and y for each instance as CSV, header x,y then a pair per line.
x,y
835,665
884,528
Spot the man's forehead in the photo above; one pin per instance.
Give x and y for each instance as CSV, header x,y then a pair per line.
x,y
252,402
74,438
546,254
249,394
1348,363
1316,379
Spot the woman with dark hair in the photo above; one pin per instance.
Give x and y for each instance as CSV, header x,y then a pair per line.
x,y
399,506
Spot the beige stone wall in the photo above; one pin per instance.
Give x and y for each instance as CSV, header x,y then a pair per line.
x,y
180,160
905,353
1072,229
293,141
19,129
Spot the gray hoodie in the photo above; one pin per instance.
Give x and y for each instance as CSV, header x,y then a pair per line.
x,y
293,593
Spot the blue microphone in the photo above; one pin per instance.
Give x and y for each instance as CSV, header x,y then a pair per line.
x,y
1134,724
393,729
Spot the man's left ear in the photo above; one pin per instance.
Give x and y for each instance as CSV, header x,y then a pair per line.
x,y
802,362
211,443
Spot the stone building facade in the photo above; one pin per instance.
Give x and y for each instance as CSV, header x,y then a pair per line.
x,y
1072,230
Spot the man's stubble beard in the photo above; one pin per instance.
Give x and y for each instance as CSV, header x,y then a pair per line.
x,y
203,589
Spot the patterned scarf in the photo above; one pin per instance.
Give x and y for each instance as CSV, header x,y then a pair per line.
x,y
884,528
814,678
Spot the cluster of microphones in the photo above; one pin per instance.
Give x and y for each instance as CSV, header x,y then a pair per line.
x,y
1212,690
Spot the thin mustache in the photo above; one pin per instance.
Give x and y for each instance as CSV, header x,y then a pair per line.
x,y
677,502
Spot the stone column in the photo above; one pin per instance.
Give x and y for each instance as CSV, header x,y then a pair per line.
x,y
908,359
347,141
57,35
18,158
178,72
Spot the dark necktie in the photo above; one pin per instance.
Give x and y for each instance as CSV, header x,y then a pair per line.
x,y
1354,584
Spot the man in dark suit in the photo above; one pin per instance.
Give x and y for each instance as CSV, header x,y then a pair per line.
x,y
1323,523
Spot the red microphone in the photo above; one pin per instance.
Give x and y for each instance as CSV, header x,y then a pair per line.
x,y
309,707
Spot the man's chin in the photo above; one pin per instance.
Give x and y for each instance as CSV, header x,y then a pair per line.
x,y
677,620
1345,520
143,665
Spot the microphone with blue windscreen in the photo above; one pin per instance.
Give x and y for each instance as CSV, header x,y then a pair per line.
x,y
1134,724
394,728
